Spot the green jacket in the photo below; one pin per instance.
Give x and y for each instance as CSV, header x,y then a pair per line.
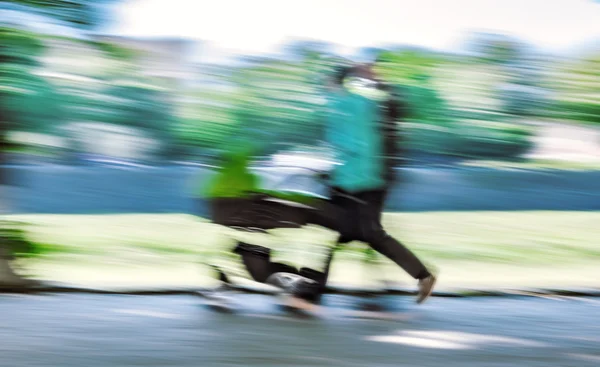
x,y
353,131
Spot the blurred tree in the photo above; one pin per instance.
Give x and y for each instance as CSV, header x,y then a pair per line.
x,y
518,66
141,106
496,48
577,83
429,120
425,102
137,105
208,120
19,92
84,14
275,103
19,47
412,72
302,49
27,101
519,100
281,100
115,51
407,66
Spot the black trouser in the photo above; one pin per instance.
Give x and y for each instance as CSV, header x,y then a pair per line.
x,y
357,217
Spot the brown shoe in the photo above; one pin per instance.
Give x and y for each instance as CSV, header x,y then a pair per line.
x,y
426,288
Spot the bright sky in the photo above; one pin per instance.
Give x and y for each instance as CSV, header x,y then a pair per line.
x,y
259,26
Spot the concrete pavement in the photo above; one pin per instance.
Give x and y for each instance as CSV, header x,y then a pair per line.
x,y
102,330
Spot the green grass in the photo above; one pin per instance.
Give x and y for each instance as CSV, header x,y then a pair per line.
x,y
515,248
524,237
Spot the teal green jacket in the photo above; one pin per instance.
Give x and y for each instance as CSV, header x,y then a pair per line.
x,y
353,132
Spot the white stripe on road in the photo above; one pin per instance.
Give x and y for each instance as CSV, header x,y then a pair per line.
x,y
148,313
442,339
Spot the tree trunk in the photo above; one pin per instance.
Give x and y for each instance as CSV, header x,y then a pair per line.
x,y
9,279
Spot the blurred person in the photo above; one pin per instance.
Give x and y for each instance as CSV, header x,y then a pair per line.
x,y
363,131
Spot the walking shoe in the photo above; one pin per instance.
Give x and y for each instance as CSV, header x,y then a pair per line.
x,y
426,288
288,282
297,292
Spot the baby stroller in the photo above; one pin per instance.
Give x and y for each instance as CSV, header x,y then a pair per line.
x,y
281,204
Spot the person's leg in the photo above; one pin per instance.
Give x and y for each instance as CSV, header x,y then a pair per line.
x,y
333,214
371,231
257,260
360,220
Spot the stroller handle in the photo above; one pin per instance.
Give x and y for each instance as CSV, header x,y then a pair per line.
x,y
322,177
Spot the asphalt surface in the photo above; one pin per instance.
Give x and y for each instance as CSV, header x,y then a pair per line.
x,y
102,330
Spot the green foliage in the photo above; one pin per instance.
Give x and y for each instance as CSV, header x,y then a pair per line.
x,y
13,237
85,104
278,97
85,14
428,138
407,67
577,96
139,106
207,125
19,47
129,104
275,99
522,101
273,102
27,101
578,111
115,51
486,139
496,48
425,103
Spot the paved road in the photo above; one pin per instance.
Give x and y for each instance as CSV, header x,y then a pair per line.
x,y
96,330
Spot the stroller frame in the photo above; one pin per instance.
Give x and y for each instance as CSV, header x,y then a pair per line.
x,y
260,213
